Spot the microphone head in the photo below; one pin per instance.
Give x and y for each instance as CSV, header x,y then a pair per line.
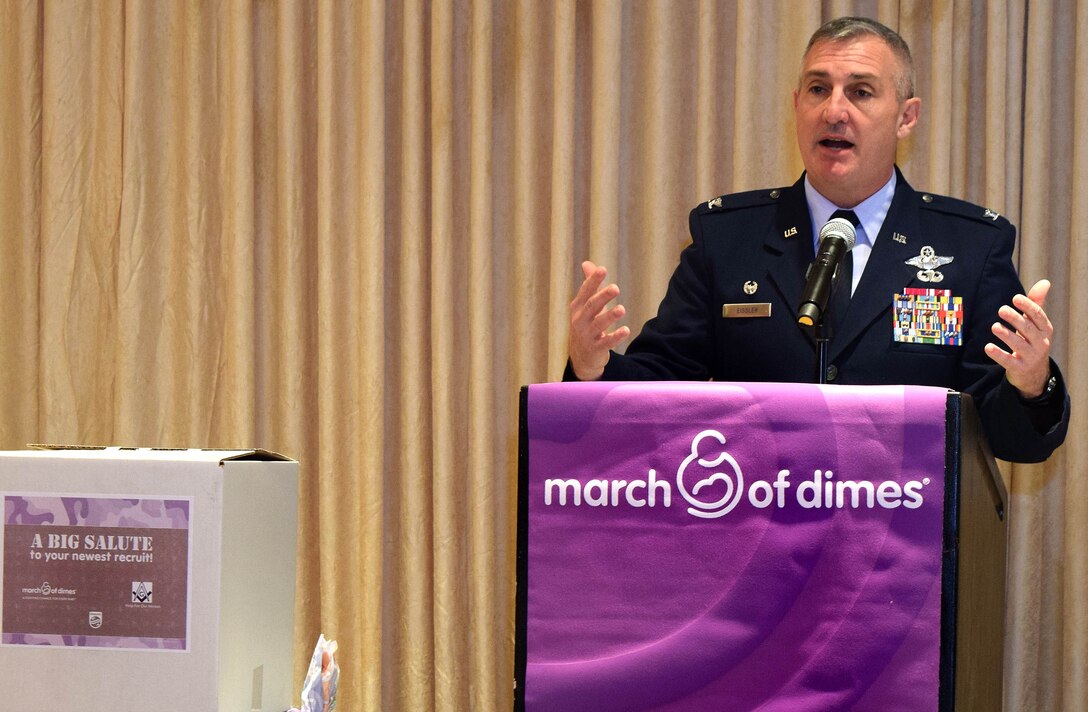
x,y
842,229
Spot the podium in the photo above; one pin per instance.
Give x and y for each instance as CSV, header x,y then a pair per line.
x,y
742,546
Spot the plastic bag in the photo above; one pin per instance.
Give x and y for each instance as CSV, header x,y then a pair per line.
x,y
322,679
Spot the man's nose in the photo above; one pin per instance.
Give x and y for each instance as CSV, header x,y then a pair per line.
x,y
837,108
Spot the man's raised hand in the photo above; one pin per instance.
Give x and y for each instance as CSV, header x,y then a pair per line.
x,y
590,320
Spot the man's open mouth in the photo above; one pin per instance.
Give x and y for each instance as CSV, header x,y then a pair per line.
x,y
836,143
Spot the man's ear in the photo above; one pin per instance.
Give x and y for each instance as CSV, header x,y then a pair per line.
x,y
908,117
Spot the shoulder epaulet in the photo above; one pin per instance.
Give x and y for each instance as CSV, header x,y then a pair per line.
x,y
963,209
733,201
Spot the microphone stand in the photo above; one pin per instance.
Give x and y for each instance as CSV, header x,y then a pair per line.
x,y
837,237
823,337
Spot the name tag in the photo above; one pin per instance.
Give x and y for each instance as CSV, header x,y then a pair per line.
x,y
746,310
928,316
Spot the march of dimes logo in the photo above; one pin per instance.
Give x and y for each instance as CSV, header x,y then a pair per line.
x,y
732,482
711,483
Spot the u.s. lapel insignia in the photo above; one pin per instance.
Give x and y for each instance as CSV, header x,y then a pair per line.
x,y
790,232
927,263
901,239
750,287
716,203
991,214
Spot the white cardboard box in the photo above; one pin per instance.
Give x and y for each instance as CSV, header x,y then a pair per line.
x,y
97,518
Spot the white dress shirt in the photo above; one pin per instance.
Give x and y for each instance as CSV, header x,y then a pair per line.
x,y
871,213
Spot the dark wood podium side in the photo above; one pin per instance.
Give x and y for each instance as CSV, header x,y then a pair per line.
x,y
974,568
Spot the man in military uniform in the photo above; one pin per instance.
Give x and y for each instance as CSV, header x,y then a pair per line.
x,y
938,270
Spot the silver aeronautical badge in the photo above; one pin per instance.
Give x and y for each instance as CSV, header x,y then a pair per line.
x,y
928,262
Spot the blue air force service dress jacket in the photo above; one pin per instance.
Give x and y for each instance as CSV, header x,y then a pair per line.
x,y
764,239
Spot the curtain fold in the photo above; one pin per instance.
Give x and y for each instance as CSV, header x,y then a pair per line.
x,y
80,152
21,55
349,232
489,499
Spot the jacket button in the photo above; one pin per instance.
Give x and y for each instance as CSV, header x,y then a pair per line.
x,y
832,373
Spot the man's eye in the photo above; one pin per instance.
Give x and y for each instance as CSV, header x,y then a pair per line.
x,y
816,90
863,93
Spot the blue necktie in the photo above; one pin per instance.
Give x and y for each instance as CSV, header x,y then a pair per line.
x,y
840,300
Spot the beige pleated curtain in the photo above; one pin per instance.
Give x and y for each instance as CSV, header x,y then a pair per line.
x,y
348,231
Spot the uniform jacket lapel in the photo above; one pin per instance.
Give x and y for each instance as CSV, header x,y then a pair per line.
x,y
886,271
790,246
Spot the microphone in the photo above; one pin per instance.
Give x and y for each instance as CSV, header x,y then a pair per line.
x,y
837,238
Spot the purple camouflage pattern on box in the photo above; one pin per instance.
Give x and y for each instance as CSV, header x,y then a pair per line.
x,y
91,511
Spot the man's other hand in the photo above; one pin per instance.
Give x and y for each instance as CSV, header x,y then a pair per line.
x,y
1027,361
590,320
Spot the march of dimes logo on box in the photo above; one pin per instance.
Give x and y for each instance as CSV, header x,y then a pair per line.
x,y
711,483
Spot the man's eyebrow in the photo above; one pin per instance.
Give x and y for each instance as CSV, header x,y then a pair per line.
x,y
853,77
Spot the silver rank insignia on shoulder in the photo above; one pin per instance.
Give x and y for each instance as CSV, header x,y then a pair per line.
x,y
928,262
716,203
991,214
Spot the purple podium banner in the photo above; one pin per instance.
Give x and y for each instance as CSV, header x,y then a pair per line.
x,y
732,547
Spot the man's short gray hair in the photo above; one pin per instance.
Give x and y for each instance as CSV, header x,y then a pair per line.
x,y
848,28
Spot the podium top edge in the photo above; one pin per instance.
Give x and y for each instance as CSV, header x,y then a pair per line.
x,y
711,386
